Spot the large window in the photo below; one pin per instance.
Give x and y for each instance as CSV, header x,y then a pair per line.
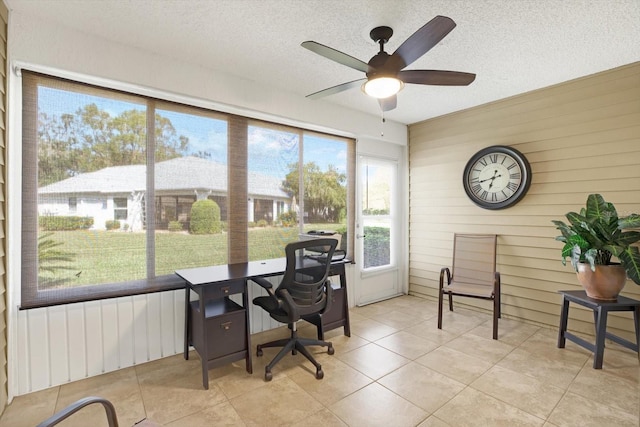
x,y
120,190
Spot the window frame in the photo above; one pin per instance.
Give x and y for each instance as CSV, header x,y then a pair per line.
x,y
31,297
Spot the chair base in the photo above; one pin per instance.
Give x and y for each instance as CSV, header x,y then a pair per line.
x,y
294,345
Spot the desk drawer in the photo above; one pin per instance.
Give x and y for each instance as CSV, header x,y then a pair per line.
x,y
336,311
223,289
224,325
226,334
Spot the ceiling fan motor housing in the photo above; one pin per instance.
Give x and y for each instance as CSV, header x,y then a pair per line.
x,y
380,35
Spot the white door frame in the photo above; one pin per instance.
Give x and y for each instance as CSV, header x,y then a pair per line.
x,y
376,285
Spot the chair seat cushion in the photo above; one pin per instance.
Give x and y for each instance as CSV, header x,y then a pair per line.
x,y
473,289
270,305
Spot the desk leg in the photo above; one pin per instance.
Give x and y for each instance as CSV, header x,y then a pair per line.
x,y
564,314
343,285
187,324
601,332
204,358
636,321
247,333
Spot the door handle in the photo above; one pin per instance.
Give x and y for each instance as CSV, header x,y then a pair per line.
x,y
360,236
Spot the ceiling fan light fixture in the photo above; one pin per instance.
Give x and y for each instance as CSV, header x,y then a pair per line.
x,y
382,87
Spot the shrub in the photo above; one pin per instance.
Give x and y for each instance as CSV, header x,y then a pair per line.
x,y
288,219
112,224
262,223
205,217
251,224
377,246
175,226
342,230
64,223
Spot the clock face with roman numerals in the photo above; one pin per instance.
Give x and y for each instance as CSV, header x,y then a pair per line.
x,y
497,177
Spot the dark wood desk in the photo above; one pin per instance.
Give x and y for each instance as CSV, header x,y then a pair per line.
x,y
219,329
600,311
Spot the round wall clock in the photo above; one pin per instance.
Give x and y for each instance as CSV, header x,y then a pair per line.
x,y
496,177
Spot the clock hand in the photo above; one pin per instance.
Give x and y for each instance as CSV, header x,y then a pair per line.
x,y
492,178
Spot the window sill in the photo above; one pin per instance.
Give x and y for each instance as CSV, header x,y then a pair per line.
x,y
168,282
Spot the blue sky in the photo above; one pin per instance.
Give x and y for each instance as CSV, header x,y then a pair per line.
x,y
270,151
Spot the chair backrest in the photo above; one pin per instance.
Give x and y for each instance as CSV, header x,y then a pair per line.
x,y
474,258
306,275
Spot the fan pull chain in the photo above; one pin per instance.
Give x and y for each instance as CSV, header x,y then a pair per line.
x,y
382,125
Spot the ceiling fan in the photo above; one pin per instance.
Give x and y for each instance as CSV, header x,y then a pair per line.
x,y
385,74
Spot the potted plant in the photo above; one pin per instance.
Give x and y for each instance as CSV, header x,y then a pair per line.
x,y
592,238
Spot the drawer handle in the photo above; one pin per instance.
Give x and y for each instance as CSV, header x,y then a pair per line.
x,y
225,290
226,326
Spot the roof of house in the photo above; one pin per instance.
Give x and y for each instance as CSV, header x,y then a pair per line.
x,y
183,174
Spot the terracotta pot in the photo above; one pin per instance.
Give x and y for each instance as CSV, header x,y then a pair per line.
x,y
605,283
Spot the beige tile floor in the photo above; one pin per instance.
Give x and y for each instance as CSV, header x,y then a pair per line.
x,y
397,369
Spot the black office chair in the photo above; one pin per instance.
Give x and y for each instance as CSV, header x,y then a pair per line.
x,y
305,290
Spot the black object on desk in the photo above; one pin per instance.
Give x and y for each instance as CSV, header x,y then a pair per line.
x,y
600,311
219,329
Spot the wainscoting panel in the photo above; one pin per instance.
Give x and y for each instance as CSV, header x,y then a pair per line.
x,y
75,341
70,342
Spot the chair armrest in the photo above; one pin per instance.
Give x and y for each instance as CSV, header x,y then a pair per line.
x,y
443,271
262,282
65,413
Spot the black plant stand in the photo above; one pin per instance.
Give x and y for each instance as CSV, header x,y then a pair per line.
x,y
600,311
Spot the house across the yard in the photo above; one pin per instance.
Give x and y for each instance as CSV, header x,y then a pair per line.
x,y
118,193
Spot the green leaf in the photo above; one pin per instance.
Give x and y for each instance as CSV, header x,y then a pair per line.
x,y
576,255
591,256
600,210
567,251
627,238
564,229
596,206
578,240
577,220
630,259
614,249
632,221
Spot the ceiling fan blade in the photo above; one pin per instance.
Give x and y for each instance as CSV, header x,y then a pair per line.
x,y
388,103
336,56
336,89
436,77
420,42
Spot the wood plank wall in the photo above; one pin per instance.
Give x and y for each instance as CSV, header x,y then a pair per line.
x,y
580,137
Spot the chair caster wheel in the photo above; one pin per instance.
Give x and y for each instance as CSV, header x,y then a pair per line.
x,y
319,374
330,350
268,376
259,352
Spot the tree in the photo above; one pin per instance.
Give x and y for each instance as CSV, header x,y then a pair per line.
x,y
93,139
57,147
325,193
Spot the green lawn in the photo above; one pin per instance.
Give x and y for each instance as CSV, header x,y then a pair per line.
x,y
115,256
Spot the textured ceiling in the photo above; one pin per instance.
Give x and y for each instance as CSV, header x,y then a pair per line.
x,y
513,46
